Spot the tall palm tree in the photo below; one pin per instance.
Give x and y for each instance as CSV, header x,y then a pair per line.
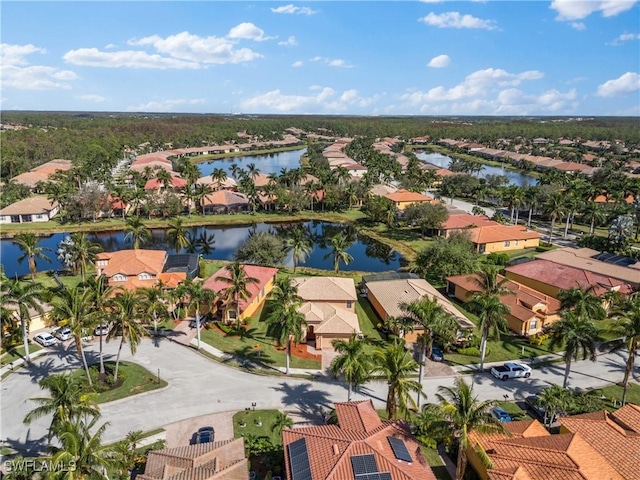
x,y
299,244
67,402
101,292
238,282
281,422
554,399
627,326
396,366
427,314
72,307
353,364
465,413
22,297
531,200
285,291
154,304
339,245
177,234
84,251
583,302
137,231
491,312
126,314
219,175
285,323
197,296
594,213
252,170
554,208
28,243
577,335
487,280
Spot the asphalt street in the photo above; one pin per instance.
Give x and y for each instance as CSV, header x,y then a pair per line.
x,y
198,386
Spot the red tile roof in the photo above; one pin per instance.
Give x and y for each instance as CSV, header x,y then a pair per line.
x,y
262,274
501,233
407,196
225,198
133,262
155,184
466,220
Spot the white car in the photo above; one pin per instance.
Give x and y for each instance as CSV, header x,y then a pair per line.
x,y
62,333
45,339
101,330
511,370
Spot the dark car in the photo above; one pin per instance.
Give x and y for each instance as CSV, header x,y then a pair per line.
x,y
500,414
205,435
437,354
533,404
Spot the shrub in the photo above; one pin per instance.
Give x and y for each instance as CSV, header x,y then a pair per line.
x,y
472,351
544,247
496,258
538,339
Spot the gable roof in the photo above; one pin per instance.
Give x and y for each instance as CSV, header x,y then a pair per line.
x,y
328,319
314,289
262,274
501,233
30,206
360,432
133,262
407,196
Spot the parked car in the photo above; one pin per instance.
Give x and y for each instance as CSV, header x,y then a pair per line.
x,y
437,355
45,339
62,333
511,370
541,412
500,414
205,435
101,330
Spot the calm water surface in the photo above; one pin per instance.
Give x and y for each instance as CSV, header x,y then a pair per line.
x,y
269,163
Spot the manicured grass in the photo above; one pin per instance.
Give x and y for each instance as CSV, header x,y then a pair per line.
x,y
137,380
614,392
367,319
514,410
251,428
209,267
255,345
435,462
47,280
17,353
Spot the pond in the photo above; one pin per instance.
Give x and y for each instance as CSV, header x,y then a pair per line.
x,y
515,178
368,255
269,163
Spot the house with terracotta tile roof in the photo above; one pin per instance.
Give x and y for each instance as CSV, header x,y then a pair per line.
x,y
155,184
329,309
461,220
258,292
403,198
41,173
503,238
32,209
224,201
550,277
527,451
359,447
529,310
615,436
224,460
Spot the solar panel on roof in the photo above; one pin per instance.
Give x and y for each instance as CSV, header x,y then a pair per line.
x,y
399,449
374,476
363,464
299,460
614,259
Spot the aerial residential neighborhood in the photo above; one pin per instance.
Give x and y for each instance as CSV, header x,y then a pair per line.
x,y
320,240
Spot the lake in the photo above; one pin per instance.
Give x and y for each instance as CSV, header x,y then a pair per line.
x,y
269,163
368,255
515,178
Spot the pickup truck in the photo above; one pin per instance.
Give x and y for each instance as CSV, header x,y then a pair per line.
x,y
511,370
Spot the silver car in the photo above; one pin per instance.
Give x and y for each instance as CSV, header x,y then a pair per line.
x,y
45,339
62,333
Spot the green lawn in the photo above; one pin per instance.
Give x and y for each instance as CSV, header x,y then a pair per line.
x,y
16,353
255,345
137,380
614,392
367,319
435,462
250,420
514,410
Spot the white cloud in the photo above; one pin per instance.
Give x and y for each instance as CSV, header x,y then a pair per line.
x,y
92,98
289,42
297,64
110,46
625,37
325,100
456,20
17,73
164,106
569,10
440,61
332,62
578,25
247,31
294,10
93,57
623,85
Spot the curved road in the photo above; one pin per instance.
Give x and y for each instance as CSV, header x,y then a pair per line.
x,y
198,386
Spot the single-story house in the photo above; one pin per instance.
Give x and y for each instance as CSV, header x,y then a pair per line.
x,y
41,173
225,201
403,198
155,184
463,221
329,309
227,184
258,292
31,209
529,310
503,238
550,277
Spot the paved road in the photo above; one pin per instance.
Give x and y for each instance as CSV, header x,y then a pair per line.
x,y
198,385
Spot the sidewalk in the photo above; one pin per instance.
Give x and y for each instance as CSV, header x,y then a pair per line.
x,y
10,367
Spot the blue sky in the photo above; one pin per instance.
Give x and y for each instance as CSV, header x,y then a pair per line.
x,y
560,57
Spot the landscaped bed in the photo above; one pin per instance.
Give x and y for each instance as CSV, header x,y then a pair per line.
x,y
263,444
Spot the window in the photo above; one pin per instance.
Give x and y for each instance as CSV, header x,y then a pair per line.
x,y
349,304
27,218
507,243
516,243
15,218
144,276
232,314
533,324
119,278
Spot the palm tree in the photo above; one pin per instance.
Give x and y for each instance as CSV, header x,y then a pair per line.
x,y
491,312
430,317
583,302
627,326
487,280
554,399
72,307
285,291
126,323
299,244
285,323
396,366
577,335
84,251
238,285
353,363
252,170
28,243
531,200
22,297
67,402
339,245
154,305
594,213
198,295
219,175
137,231
554,208
281,422
177,234
465,413
101,292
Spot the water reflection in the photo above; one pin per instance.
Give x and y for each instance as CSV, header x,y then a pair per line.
x,y
269,163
